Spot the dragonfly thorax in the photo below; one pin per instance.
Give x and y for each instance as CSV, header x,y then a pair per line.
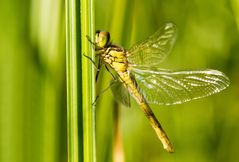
x,y
116,58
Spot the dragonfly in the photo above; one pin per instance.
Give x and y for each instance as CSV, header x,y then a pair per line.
x,y
137,74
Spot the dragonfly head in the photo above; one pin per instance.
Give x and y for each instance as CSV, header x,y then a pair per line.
x,y
102,38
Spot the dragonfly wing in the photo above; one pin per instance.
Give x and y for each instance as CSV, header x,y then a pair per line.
x,y
168,87
153,50
120,93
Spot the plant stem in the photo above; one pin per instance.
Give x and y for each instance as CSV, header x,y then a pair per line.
x,y
88,84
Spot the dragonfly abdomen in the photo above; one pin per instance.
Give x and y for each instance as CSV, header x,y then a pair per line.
x,y
133,88
131,84
157,127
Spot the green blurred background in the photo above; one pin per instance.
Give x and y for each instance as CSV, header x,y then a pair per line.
x,y
33,88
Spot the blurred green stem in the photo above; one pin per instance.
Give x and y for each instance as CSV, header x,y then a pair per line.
x,y
235,7
118,152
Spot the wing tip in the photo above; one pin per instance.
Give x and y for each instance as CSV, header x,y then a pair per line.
x,y
224,78
170,25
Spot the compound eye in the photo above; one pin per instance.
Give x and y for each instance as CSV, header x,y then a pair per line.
x,y
102,38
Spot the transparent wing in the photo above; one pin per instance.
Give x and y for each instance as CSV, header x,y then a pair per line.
x,y
168,87
153,50
120,93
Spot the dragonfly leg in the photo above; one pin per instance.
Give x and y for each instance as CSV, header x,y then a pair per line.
x,y
92,61
103,91
112,75
98,72
93,43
